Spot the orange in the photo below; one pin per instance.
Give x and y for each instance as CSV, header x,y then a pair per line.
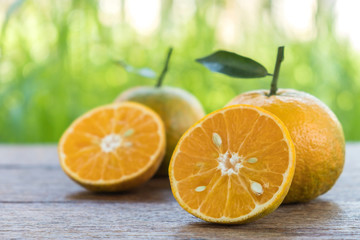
x,y
233,166
178,109
114,147
317,135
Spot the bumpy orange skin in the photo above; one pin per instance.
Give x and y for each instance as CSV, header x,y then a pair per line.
x,y
317,135
177,108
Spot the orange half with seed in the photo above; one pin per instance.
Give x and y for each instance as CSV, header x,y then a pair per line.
x,y
233,166
114,147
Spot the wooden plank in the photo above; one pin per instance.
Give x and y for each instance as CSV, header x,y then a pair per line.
x,y
28,155
141,219
42,179
50,184
37,200
53,186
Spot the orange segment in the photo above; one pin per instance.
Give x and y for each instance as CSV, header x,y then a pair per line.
x,y
113,147
233,166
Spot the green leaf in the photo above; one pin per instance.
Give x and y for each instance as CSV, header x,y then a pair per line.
x,y
144,72
233,65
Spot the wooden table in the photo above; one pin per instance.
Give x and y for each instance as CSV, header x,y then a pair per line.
x,y
37,200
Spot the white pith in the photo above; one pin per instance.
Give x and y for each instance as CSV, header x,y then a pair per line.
x,y
111,142
230,163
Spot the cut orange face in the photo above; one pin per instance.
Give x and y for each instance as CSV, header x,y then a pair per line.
x,y
233,166
114,147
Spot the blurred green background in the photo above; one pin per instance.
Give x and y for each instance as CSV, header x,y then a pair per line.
x,y
57,57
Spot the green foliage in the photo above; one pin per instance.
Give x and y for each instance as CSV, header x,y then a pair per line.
x,y
57,62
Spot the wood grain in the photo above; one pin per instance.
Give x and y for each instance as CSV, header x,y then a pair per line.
x,y
38,201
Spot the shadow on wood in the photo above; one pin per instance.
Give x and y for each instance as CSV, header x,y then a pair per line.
x,y
318,216
155,191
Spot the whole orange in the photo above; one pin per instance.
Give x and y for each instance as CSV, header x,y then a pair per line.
x,y
316,133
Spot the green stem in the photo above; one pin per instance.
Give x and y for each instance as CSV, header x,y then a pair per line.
x,y
162,75
279,59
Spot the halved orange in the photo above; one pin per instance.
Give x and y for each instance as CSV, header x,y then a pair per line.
x,y
114,147
233,166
